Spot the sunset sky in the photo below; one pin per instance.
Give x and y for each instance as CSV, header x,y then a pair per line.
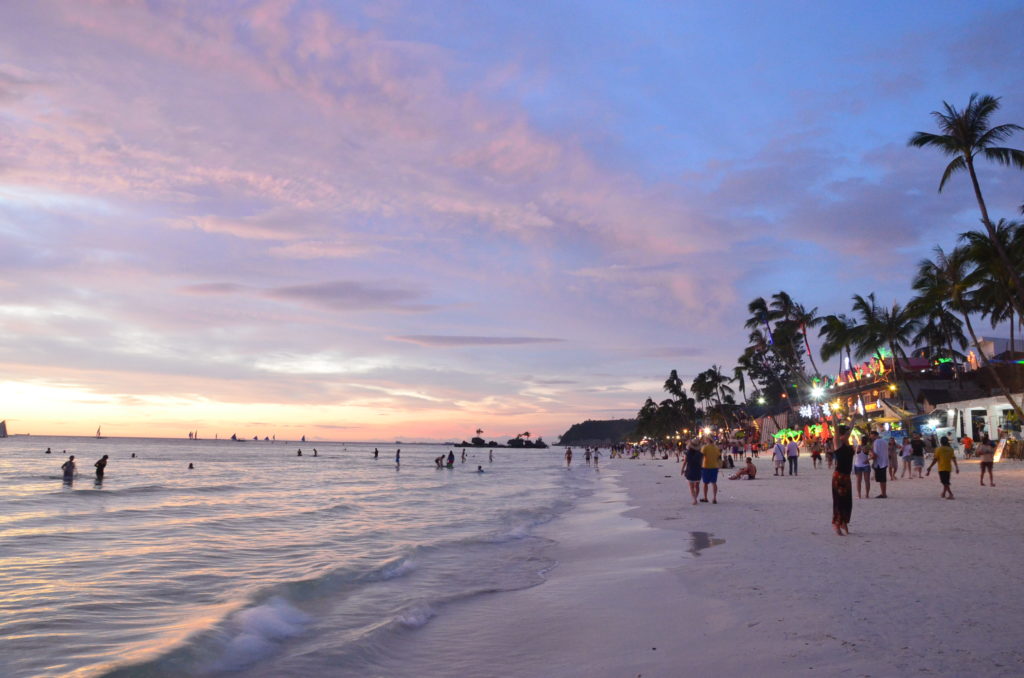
x,y
407,220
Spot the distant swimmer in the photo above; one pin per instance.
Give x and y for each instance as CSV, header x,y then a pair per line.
x,y
479,469
439,461
568,457
314,452
463,456
69,468
490,456
375,453
299,453
398,456
48,451
101,466
133,455
190,466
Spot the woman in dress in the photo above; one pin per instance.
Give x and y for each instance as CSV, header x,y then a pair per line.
x,y
692,462
842,489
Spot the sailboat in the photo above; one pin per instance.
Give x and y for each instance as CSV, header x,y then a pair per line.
x,y
98,435
3,428
303,438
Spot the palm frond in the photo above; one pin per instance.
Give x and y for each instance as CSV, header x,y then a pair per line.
x,y
1010,157
958,164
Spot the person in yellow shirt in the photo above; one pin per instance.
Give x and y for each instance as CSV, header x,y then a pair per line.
x,y
709,469
946,459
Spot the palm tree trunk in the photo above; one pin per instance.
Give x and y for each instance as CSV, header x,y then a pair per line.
x,y
1017,298
810,355
992,370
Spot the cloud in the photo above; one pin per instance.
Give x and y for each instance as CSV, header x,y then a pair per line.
x,y
449,341
348,295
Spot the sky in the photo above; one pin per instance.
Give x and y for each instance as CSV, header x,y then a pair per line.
x,y
393,220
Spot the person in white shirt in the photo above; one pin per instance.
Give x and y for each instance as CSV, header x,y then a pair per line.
x,y
793,454
779,458
862,467
880,461
905,453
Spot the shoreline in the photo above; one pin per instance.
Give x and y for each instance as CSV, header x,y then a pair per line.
x,y
648,585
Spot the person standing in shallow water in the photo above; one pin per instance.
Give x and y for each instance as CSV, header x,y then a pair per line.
x,y
842,488
568,457
101,466
69,469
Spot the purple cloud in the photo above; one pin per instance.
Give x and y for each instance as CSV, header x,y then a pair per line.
x,y
449,341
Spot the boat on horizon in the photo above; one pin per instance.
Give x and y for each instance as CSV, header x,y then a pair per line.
x,y
98,434
3,428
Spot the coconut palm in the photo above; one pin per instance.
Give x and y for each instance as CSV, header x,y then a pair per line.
x,y
964,135
949,277
674,385
993,293
881,326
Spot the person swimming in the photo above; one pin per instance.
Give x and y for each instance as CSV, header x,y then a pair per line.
x,y
479,469
190,466
299,453
48,451
376,452
314,452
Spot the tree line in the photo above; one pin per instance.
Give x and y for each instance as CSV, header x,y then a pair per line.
x,y
979,278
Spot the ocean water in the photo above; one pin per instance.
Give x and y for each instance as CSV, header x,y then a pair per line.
x,y
257,562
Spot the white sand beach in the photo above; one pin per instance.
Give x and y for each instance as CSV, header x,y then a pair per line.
x,y
922,586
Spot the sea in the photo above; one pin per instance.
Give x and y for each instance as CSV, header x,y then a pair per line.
x,y
258,561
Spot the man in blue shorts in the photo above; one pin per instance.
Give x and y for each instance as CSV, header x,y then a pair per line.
x,y
709,469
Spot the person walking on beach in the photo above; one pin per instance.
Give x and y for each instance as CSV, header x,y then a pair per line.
x,y
692,462
69,469
946,459
709,469
987,457
862,468
842,490
779,458
816,453
905,452
793,455
880,462
894,458
101,466
917,448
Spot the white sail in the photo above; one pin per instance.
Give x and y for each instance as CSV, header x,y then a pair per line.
x,y
3,428
98,432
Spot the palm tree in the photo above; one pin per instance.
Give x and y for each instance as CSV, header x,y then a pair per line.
x,y
879,326
838,334
674,385
993,294
948,278
966,134
805,319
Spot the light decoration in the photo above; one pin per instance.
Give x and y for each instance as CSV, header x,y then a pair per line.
x,y
817,391
787,433
816,410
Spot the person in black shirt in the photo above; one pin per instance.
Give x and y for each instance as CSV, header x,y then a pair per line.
x,y
842,490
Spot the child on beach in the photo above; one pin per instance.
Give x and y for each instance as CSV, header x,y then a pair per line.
x,y
946,459
862,468
987,457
